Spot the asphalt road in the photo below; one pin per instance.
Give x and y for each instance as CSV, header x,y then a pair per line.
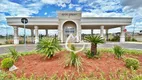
x,y
30,47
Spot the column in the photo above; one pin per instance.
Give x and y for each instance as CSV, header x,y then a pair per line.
x,y
91,31
59,33
47,32
78,26
16,39
32,35
102,32
122,35
36,34
106,34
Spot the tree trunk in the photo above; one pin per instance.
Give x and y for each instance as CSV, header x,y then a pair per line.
x,y
94,48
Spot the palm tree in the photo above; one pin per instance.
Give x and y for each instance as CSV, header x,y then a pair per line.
x,y
94,41
48,46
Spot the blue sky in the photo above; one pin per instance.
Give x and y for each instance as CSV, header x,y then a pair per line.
x,y
89,8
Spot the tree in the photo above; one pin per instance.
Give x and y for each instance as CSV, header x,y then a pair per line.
x,y
94,41
48,46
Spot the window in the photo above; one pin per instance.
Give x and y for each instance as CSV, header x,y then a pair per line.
x,y
69,30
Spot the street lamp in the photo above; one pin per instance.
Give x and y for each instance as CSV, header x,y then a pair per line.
x,y
24,21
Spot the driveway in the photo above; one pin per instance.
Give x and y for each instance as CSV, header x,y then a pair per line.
x,y
30,47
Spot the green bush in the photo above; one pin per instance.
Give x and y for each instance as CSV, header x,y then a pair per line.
x,y
9,42
14,53
118,51
0,43
137,77
89,54
48,46
133,39
7,63
115,38
74,60
132,63
73,47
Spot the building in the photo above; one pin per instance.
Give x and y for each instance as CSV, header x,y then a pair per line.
x,y
69,22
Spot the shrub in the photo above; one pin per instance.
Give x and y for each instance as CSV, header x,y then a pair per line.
x,y
0,43
132,63
48,46
21,41
90,55
74,60
115,38
14,53
9,42
7,63
118,51
137,77
73,47
133,39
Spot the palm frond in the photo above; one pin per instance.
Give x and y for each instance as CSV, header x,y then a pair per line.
x,y
48,46
94,39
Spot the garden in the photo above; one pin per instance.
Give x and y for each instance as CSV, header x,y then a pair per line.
x,y
52,62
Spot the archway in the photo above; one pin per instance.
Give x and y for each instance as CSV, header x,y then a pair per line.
x,y
69,27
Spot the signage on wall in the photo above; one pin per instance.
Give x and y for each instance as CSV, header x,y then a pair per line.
x,y
69,14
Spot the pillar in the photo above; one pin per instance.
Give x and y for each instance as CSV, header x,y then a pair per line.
x,y
79,32
91,31
59,33
32,35
102,31
36,34
122,35
106,34
16,39
47,32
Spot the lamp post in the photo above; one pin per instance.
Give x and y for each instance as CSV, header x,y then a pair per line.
x,y
24,21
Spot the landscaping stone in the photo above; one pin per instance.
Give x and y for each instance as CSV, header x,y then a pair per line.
x,y
13,68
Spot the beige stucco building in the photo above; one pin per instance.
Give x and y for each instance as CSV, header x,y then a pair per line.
x,y
69,22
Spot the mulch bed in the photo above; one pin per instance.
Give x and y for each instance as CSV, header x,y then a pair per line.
x,y
35,64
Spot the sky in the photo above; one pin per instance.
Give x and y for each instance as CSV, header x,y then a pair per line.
x,y
89,8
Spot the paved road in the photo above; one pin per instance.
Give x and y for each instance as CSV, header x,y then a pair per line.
x,y
20,48
30,47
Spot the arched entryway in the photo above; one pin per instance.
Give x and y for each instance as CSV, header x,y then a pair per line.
x,y
69,27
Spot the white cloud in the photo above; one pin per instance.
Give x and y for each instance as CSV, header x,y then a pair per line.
x,y
82,1
45,13
72,5
49,1
78,8
132,3
2,17
61,3
97,13
15,9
